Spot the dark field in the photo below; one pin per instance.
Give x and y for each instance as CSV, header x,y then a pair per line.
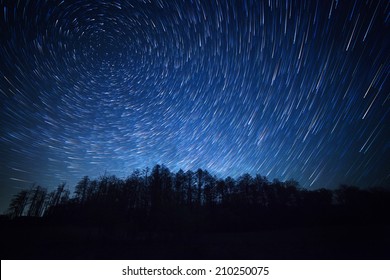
x,y
36,240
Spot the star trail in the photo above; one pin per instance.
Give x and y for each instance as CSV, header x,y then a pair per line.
x,y
285,89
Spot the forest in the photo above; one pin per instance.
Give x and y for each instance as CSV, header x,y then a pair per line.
x,y
160,214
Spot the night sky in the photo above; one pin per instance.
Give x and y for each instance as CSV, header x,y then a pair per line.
x,y
285,89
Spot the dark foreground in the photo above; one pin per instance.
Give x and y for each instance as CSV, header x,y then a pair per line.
x,y
194,215
34,239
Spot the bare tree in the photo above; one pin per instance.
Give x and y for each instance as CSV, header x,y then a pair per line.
x,y
18,204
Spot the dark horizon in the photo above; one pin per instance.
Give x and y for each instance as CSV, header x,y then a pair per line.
x,y
72,187
159,214
146,174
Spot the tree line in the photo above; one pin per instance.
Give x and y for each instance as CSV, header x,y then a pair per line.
x,y
160,199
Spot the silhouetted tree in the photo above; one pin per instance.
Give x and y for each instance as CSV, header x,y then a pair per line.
x,y
245,186
81,190
209,189
55,196
18,204
231,191
292,192
270,195
260,183
221,192
133,190
190,176
180,180
37,202
166,187
199,175
155,187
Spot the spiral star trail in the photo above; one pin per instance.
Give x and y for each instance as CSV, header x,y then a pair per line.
x,y
285,89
